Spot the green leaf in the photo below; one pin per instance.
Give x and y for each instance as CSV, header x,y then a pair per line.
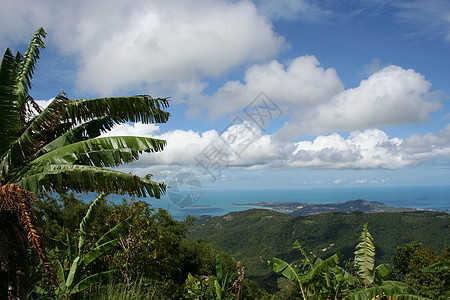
x,y
72,272
344,277
443,265
389,288
219,270
365,257
218,290
383,270
91,129
71,247
299,247
101,152
60,275
81,178
321,267
86,222
35,133
114,232
92,280
97,252
286,269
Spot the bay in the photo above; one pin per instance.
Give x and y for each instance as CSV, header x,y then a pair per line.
x,y
198,202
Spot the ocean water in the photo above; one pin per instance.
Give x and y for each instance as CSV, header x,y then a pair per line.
x,y
196,202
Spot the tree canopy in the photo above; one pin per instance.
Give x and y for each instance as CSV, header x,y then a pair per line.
x,y
60,147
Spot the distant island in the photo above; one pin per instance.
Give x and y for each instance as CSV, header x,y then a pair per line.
x,y
304,209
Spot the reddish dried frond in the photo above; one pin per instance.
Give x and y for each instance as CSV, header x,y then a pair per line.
x,y
15,199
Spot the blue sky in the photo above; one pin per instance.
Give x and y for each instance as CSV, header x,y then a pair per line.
x,y
264,94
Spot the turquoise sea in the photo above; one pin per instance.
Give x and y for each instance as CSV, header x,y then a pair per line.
x,y
198,202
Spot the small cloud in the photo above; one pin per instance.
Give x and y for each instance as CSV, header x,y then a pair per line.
x,y
360,181
339,181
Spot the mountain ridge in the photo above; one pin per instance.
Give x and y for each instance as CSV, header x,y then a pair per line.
x,y
303,209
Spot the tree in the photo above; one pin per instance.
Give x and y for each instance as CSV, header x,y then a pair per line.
x,y
58,149
425,269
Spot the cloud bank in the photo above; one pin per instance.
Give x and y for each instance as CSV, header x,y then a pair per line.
x,y
368,149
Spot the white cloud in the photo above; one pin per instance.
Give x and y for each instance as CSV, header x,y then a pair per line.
x,y
361,150
314,99
370,181
391,96
360,181
370,149
136,129
304,83
124,45
177,40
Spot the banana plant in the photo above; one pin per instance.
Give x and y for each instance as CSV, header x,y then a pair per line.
x,y
365,264
222,283
210,287
69,272
323,278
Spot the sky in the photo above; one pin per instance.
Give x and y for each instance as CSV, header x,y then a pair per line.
x,y
263,94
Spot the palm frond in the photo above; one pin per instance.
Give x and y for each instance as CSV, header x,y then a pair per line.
x,y
91,129
101,152
140,108
80,178
9,104
33,136
28,63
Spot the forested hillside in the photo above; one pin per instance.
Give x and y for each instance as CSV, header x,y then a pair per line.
x,y
256,235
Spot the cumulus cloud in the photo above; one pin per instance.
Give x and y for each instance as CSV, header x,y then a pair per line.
x,y
123,45
391,96
315,100
369,149
304,83
249,149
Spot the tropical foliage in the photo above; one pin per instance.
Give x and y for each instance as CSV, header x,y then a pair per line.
x,y
425,269
256,235
324,279
219,287
58,148
152,254
163,271
76,257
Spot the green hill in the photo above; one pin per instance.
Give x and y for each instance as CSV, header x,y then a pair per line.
x,y
256,235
